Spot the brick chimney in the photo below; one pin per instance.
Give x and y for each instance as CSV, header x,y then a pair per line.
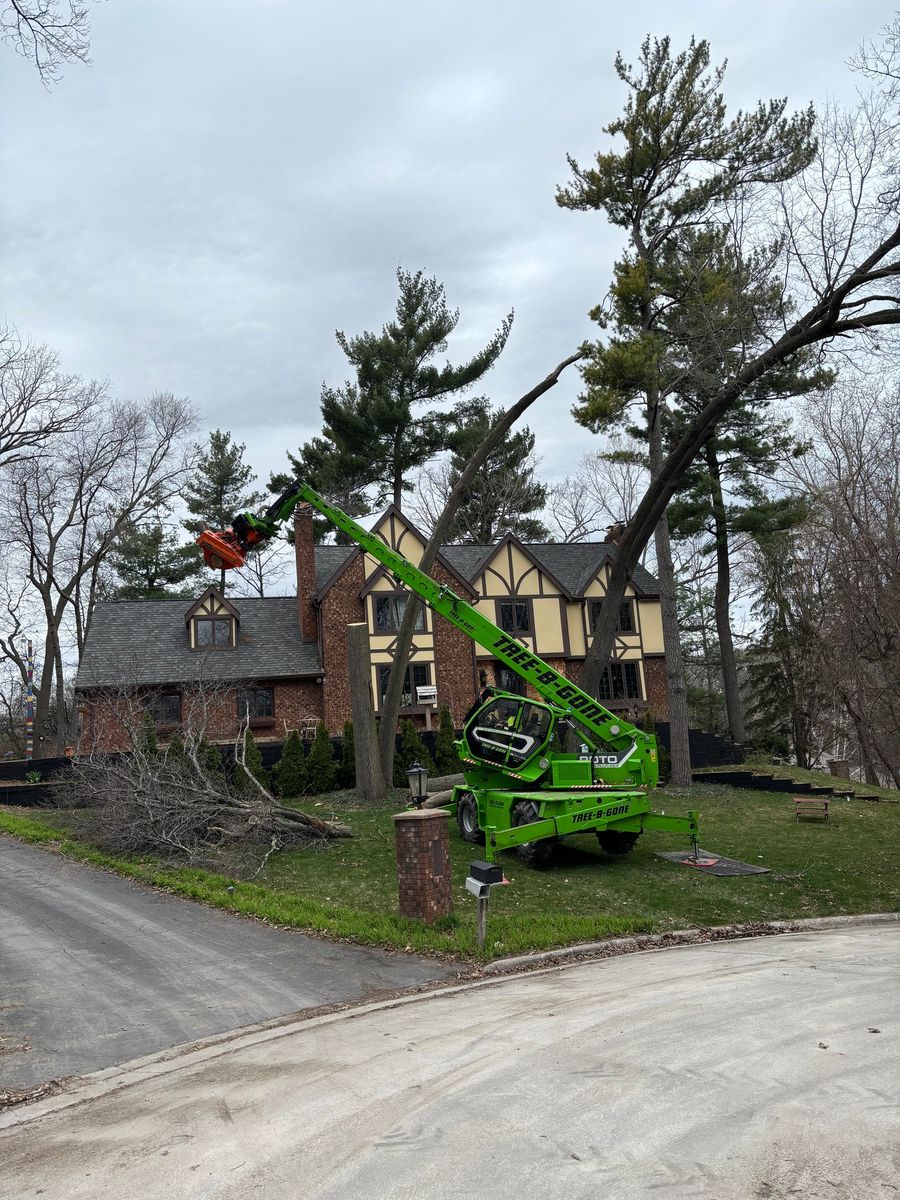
x,y
304,553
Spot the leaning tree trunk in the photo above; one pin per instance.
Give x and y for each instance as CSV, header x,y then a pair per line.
x,y
722,601
680,749
371,785
390,707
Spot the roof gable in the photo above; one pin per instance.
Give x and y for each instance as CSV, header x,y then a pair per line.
x,y
211,604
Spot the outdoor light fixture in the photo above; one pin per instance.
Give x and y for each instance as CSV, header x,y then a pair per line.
x,y
418,784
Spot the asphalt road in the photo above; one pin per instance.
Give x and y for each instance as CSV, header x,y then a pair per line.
x,y
753,1070
96,970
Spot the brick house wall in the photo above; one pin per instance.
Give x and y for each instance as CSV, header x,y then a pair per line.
x,y
106,720
341,606
454,660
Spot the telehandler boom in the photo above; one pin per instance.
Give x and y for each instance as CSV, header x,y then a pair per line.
x,y
521,789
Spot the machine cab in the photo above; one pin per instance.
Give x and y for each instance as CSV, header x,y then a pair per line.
x,y
508,731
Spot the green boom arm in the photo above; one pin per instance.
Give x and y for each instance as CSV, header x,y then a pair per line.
x,y
547,682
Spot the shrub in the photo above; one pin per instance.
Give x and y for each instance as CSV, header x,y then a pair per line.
x,y
346,775
445,757
291,775
321,765
211,760
175,749
412,749
254,763
145,735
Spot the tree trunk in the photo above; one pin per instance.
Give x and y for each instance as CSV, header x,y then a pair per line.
x,y
733,706
390,707
863,740
370,781
679,750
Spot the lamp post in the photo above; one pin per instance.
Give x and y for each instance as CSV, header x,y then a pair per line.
x,y
418,784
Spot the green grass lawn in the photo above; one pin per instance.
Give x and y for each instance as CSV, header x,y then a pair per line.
x,y
347,889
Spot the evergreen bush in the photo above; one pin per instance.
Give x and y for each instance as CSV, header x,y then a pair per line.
x,y
211,760
321,765
291,774
254,764
346,775
145,735
412,749
446,759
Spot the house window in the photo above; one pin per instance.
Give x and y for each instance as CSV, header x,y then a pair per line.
x,y
389,612
625,624
164,708
509,681
256,703
213,633
513,616
620,682
417,675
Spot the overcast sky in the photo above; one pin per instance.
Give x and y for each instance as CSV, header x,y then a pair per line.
x,y
230,182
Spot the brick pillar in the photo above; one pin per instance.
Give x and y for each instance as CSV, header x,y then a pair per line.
x,y
304,555
424,882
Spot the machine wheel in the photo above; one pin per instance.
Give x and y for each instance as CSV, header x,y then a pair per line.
x,y
535,854
467,819
615,841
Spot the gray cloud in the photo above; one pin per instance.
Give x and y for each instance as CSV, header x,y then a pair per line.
x,y
231,182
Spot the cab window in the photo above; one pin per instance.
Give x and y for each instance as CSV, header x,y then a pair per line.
x,y
509,731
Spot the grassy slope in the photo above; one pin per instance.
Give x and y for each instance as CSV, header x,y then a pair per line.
x,y
802,775
348,888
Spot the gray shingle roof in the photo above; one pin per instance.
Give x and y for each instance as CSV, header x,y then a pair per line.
x,y
573,563
328,560
146,641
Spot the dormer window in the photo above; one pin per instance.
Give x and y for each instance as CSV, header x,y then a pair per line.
x,y
213,631
212,622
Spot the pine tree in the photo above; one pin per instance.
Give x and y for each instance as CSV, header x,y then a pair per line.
x,y
412,749
374,430
505,492
151,567
446,759
681,161
321,765
220,487
291,775
346,776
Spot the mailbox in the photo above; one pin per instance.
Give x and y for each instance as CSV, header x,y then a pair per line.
x,y
482,877
485,872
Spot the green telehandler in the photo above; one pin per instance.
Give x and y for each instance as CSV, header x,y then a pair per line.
x,y
521,790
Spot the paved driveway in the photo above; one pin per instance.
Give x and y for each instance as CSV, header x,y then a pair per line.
x,y
733,1071
96,970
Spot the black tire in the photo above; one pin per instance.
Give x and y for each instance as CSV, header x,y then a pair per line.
x,y
467,819
534,854
616,842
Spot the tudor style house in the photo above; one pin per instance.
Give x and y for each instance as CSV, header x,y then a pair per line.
x,y
282,661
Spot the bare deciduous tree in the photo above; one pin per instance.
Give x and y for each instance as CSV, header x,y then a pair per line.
x,y
851,479
37,401
49,33
63,516
604,491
